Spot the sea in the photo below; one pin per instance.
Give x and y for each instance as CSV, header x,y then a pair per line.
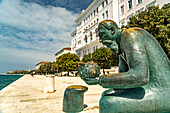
x,y
5,80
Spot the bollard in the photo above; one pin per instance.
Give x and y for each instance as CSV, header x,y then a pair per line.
x,y
49,84
74,98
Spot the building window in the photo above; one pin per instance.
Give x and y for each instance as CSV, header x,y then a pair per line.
x,y
79,54
103,16
94,49
122,22
140,10
97,10
130,4
79,32
139,1
94,12
79,42
85,52
102,4
88,51
96,31
106,2
85,38
91,35
129,17
152,4
107,15
122,9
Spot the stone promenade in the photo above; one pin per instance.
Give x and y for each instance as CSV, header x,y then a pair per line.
x,y
26,96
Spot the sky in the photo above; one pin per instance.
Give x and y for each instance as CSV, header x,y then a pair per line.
x,y
34,30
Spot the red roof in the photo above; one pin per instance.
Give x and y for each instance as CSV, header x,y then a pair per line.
x,y
43,62
68,48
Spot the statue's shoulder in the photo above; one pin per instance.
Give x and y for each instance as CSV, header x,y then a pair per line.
x,y
132,30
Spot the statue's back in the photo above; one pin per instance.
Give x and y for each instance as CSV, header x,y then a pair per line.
x,y
159,64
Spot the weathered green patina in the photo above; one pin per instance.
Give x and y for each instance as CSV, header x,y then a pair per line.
x,y
73,101
143,82
89,71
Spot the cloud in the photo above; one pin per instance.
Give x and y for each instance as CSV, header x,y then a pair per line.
x,y
36,24
15,59
34,29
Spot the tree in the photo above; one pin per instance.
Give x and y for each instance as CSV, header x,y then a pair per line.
x,y
105,58
67,62
87,58
157,22
47,68
53,67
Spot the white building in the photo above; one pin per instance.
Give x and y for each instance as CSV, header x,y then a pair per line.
x,y
85,38
129,8
63,51
39,64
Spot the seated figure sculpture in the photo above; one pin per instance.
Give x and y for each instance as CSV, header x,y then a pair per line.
x,y
143,82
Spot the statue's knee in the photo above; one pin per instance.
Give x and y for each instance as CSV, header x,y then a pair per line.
x,y
108,104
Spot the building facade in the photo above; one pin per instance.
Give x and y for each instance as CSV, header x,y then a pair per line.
x,y
63,51
85,39
129,8
39,64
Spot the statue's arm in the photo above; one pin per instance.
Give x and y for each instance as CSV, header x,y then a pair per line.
x,y
138,73
123,65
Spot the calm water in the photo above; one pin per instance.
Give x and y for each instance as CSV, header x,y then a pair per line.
x,y
5,80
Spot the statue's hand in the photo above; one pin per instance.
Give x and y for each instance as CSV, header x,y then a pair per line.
x,y
89,72
91,81
112,45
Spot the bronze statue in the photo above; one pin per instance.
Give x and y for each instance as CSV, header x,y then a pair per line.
x,y
143,81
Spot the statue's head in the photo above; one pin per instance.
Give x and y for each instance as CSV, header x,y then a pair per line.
x,y
110,34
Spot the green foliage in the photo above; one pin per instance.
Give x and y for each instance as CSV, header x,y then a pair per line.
x,y
19,72
67,62
47,68
157,22
105,58
87,58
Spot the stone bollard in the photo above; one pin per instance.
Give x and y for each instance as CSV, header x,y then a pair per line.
x,y
49,84
74,98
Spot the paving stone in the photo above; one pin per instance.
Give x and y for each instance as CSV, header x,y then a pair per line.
x,y
26,95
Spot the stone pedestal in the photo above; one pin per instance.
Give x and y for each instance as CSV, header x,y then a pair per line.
x,y
49,84
74,98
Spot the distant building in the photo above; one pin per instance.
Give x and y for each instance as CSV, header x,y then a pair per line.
x,y
85,38
19,71
63,51
129,8
10,72
39,64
